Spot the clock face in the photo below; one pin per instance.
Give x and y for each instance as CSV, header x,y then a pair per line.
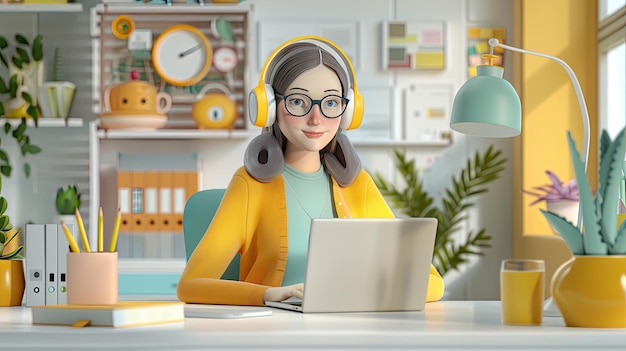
x,y
182,55
225,59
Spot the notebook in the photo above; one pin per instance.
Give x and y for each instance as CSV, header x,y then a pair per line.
x,y
123,314
365,265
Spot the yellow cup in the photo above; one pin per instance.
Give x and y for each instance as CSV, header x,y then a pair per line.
x,y
92,278
521,291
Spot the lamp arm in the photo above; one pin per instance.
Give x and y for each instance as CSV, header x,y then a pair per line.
x,y
579,92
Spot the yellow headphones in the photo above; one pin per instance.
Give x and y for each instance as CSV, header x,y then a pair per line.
x,y
262,100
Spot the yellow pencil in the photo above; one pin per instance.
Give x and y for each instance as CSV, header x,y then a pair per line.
x,y
100,229
116,229
83,234
70,238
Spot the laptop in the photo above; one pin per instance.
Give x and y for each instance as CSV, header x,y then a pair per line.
x,y
366,265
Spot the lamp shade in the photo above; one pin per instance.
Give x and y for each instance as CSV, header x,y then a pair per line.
x,y
487,106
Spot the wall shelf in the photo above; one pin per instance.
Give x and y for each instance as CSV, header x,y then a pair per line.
x,y
161,134
74,7
46,122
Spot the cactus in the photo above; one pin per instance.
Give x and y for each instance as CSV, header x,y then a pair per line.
x,y
68,201
600,235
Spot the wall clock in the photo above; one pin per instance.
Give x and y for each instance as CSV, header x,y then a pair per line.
x,y
182,55
225,59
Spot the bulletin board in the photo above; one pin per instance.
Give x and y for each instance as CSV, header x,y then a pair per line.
x,y
413,45
478,45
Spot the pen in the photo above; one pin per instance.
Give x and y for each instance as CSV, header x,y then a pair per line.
x,y
100,229
116,229
70,238
83,235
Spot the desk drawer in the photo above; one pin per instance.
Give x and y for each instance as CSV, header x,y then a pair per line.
x,y
148,283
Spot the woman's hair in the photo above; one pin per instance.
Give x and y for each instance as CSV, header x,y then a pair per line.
x,y
264,158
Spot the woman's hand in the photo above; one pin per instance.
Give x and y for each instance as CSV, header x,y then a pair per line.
x,y
284,292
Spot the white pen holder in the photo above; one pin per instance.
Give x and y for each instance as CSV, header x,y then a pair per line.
x,y
92,278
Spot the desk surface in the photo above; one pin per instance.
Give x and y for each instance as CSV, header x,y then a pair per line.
x,y
445,325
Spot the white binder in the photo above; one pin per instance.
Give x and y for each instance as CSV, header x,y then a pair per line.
x,y
51,264
35,254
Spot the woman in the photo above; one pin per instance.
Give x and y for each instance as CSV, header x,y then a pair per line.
x,y
302,165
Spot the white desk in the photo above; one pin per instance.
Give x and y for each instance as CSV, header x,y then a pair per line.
x,y
446,325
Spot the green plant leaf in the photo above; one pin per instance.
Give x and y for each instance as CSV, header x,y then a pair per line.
x,y
27,169
17,62
4,220
4,204
13,86
23,55
612,161
7,126
3,43
592,238
38,48
5,170
14,254
3,156
4,60
619,247
20,38
3,87
570,233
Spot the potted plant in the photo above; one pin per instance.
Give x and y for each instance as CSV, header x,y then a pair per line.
x,y
18,95
589,288
559,197
67,202
414,201
11,265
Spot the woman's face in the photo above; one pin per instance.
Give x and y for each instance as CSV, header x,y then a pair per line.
x,y
313,131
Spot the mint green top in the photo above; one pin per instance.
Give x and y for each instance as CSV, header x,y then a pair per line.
x,y
308,196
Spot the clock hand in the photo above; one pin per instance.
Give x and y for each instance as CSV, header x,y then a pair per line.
x,y
189,51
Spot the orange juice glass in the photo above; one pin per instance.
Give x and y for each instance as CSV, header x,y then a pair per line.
x,y
521,291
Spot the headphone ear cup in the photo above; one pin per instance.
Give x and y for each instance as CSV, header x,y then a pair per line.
x,y
262,106
272,165
353,115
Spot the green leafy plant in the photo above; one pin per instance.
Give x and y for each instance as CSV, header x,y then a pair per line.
x,y
68,200
11,88
414,201
600,235
7,231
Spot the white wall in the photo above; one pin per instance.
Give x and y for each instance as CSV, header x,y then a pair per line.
x,y
382,91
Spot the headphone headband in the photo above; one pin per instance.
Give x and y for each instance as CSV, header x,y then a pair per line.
x,y
262,102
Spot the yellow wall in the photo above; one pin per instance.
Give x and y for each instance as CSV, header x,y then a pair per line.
x,y
565,29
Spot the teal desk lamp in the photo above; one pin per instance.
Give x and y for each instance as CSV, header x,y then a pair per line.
x,y
488,106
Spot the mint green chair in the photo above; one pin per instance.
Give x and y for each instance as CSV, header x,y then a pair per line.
x,y
197,215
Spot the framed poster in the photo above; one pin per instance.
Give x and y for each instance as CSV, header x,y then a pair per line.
x,y
413,45
478,45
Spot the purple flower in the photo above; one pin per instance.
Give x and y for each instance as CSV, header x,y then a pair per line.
x,y
555,191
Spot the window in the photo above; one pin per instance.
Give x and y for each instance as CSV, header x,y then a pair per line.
x,y
612,63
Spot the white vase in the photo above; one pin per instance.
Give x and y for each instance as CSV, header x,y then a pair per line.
x,y
567,209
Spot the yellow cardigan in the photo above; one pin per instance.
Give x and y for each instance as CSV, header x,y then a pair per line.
x,y
252,221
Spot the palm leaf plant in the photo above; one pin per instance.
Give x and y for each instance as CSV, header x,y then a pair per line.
x,y
414,201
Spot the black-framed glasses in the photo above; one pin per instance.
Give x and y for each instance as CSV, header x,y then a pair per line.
x,y
299,105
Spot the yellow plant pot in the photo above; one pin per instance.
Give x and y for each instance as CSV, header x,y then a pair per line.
x,y
11,282
590,291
